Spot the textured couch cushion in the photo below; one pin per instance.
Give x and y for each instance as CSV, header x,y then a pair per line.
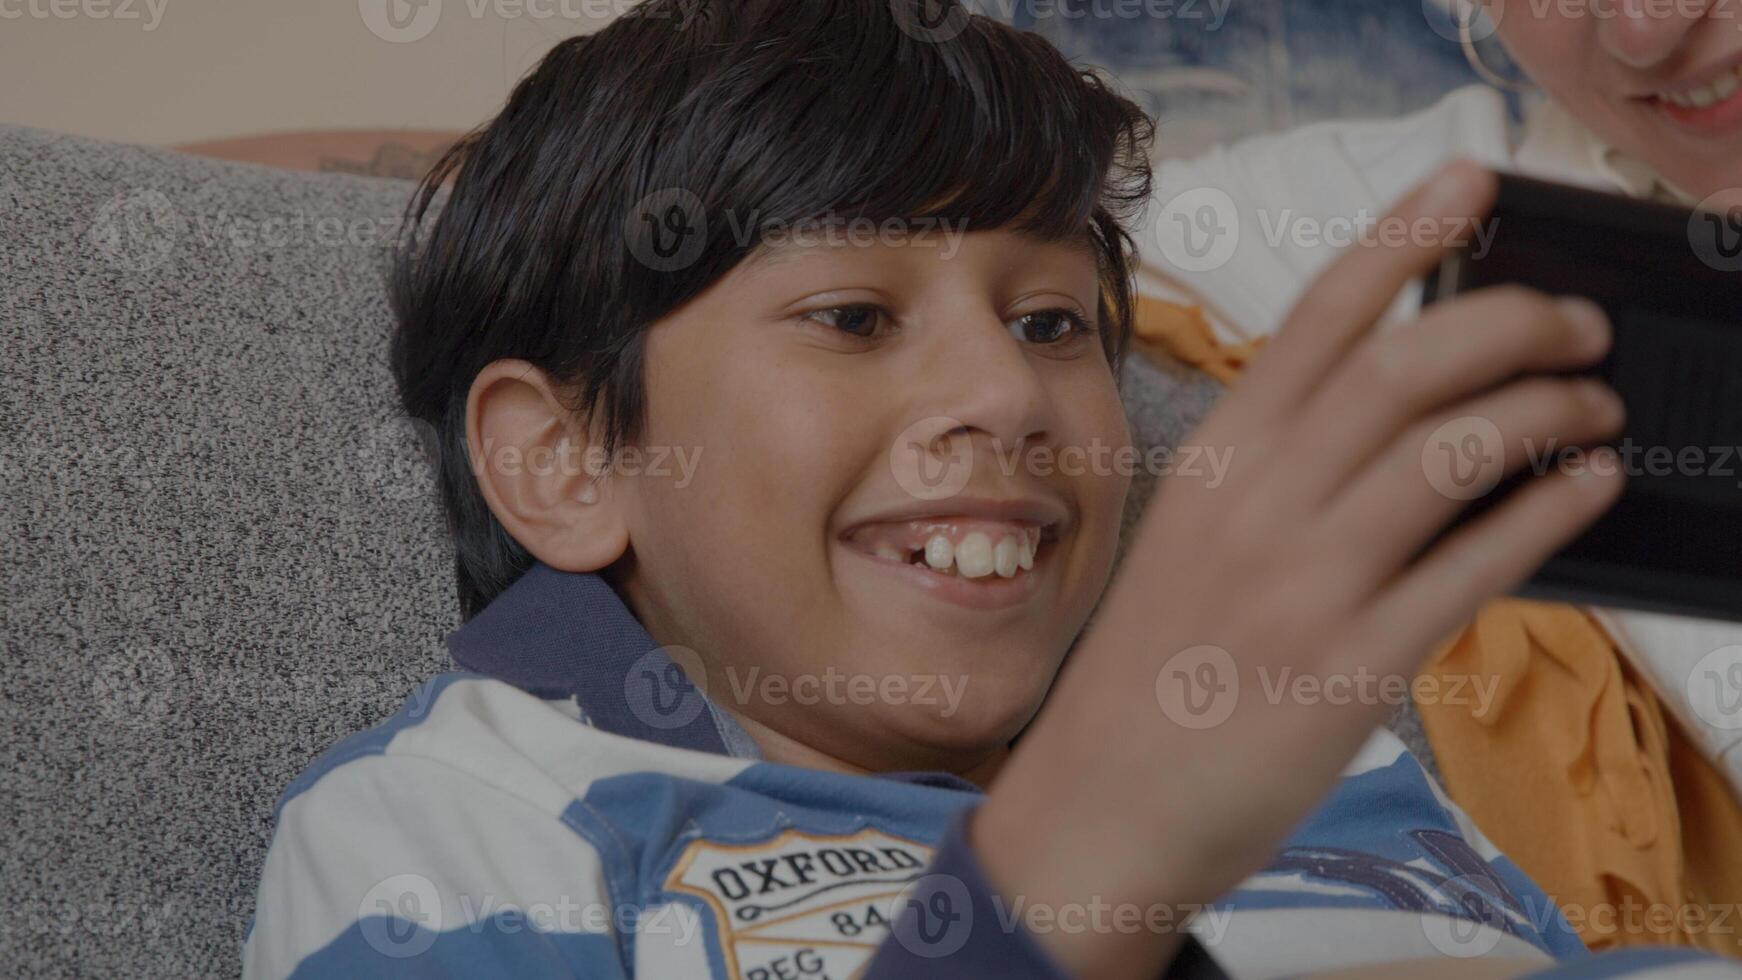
x,y
225,550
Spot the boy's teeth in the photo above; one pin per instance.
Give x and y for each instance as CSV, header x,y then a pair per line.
x,y
1005,556
974,556
940,554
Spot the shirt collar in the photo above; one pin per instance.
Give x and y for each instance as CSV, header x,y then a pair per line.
x,y
560,634
1558,146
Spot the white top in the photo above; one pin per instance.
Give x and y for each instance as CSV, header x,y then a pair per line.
x,y
1243,230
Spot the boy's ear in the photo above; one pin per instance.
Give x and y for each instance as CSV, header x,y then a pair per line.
x,y
534,463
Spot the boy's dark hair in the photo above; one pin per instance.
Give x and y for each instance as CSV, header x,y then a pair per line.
x,y
774,112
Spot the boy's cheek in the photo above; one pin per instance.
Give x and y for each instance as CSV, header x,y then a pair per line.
x,y
1107,463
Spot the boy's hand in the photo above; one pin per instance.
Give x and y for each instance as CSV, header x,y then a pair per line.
x,y
1309,556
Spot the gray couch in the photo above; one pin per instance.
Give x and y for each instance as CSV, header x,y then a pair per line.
x,y
224,550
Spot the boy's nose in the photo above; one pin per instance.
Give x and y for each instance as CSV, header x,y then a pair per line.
x,y
982,377
1644,33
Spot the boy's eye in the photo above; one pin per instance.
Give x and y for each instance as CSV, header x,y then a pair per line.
x,y
858,321
1047,326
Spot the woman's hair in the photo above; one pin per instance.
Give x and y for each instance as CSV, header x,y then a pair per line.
x,y
636,166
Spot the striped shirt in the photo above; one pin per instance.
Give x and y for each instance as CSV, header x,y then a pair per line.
x,y
566,805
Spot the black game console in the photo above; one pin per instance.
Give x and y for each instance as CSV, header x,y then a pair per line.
x,y
1671,281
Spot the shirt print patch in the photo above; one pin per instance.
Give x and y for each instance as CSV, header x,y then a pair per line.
x,y
801,906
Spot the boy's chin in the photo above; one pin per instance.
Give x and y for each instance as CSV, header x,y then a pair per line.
x,y
976,715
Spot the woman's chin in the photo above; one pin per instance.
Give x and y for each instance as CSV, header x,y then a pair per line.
x,y
1699,165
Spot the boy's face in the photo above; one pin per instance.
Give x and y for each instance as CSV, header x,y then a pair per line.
x,y
831,396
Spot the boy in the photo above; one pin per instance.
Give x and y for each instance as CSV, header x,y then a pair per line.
x,y
866,271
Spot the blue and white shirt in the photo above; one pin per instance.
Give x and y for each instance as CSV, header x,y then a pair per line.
x,y
566,806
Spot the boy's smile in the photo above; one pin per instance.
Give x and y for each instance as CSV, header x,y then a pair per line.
x,y
980,553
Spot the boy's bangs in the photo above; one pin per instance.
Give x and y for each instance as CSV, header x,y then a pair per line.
x,y
990,129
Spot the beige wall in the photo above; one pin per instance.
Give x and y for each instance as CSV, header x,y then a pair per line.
x,y
171,71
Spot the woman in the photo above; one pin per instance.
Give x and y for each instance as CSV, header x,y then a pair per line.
x,y
1584,747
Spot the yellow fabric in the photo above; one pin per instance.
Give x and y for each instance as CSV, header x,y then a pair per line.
x,y
1577,774
1561,753
1184,332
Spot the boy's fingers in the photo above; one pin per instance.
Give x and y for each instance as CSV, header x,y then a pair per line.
x,y
1489,557
1345,302
1457,351
1441,465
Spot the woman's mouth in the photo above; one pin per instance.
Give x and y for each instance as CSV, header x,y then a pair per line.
x,y
1711,107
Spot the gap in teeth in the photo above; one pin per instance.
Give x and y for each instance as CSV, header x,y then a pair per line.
x,y
982,550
